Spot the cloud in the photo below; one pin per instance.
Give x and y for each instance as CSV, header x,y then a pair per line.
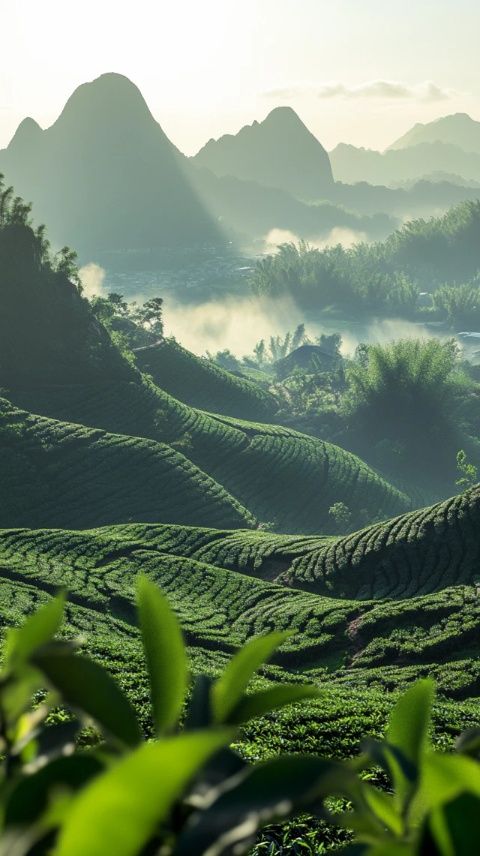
x,y
338,235
239,323
92,277
381,89
234,323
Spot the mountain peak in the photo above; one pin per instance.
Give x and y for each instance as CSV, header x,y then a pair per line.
x,y
106,177
457,129
27,131
110,97
279,152
282,114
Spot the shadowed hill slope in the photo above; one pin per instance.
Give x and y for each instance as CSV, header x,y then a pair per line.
x,y
201,383
63,474
48,333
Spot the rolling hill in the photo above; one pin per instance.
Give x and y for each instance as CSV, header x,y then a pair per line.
x,y
201,383
58,361
265,467
63,474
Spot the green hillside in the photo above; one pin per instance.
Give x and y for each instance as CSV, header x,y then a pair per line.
x,y
201,383
63,474
281,476
358,644
48,333
411,555
57,360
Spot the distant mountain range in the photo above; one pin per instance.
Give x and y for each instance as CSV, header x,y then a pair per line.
x,y
279,152
448,148
459,129
107,179
395,166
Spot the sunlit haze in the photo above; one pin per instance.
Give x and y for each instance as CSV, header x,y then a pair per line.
x,y
356,72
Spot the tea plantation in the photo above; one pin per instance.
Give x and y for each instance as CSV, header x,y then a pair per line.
x,y
283,477
108,472
359,652
201,383
378,643
62,474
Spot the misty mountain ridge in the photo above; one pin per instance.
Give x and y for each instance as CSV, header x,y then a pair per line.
x,y
109,181
105,175
395,166
458,129
445,149
278,152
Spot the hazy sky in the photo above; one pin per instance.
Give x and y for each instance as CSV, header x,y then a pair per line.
x,y
361,71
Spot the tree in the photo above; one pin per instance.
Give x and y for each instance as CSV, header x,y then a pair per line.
x,y
151,316
460,304
408,393
341,516
468,473
65,262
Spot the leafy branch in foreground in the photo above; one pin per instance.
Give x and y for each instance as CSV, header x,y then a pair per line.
x,y
187,793
182,793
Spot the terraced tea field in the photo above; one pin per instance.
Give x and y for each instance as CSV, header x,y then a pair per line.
x,y
282,477
62,474
414,554
201,383
380,642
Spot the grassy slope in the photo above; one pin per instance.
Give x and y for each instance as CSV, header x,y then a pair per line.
x,y
63,474
379,643
201,383
281,476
